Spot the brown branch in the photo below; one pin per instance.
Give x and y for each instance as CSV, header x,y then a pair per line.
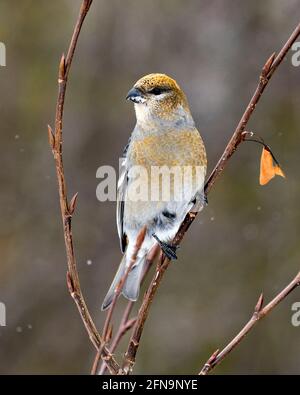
x,y
107,329
125,325
130,355
67,209
126,322
237,138
258,314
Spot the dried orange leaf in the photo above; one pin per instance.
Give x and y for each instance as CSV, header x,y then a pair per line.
x,y
267,168
279,172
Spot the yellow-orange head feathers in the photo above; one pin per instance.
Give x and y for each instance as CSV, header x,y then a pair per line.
x,y
157,95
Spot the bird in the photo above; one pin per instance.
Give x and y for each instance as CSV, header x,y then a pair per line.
x,y
165,136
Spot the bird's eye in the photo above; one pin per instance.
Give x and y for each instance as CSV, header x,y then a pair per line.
x,y
156,91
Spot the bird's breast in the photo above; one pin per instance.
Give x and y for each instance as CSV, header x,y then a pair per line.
x,y
166,167
172,148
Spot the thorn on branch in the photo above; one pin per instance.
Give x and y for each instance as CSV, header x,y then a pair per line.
x,y
51,137
109,334
208,366
62,69
72,204
70,283
213,357
268,65
259,304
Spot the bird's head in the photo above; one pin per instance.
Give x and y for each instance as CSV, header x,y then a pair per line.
x,y
157,96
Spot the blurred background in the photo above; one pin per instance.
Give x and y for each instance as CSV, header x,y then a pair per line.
x,y
245,242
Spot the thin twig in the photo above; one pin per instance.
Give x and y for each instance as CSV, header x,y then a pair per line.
x,y
237,138
125,325
126,322
67,209
106,334
129,358
258,314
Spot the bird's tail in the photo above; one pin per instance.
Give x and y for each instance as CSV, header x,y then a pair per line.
x,y
131,288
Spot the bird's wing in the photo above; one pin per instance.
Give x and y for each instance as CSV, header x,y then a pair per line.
x,y
121,191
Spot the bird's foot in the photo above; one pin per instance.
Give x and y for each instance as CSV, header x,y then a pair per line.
x,y
205,199
168,249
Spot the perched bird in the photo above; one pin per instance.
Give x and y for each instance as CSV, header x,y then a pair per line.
x,y
164,136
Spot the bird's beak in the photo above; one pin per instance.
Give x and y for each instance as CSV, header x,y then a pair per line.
x,y
135,95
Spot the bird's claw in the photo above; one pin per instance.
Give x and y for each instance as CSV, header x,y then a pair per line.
x,y
205,199
168,249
